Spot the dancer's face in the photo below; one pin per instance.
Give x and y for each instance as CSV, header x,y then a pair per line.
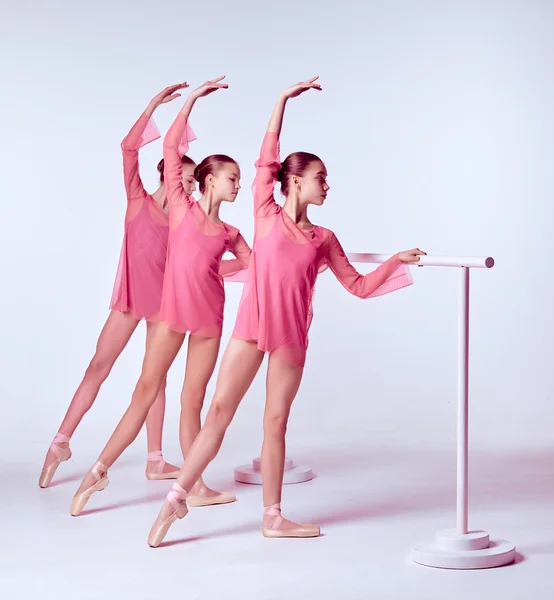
x,y
189,183
313,186
227,182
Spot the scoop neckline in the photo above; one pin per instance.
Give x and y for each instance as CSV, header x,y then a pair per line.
x,y
222,224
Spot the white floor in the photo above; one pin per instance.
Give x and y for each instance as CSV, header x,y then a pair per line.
x,y
372,503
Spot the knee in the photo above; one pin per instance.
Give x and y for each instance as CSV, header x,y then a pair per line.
x,y
192,398
219,417
275,426
146,391
99,368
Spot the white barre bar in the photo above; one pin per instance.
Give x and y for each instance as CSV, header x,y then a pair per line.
x,y
476,262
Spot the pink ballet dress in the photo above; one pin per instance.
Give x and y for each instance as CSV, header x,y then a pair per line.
x,y
193,294
139,280
275,309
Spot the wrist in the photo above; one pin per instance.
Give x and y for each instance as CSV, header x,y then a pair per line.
x,y
189,102
151,108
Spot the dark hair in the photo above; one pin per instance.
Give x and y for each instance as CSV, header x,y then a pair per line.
x,y
185,160
295,164
211,165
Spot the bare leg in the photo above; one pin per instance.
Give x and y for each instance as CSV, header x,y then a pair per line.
x,y
283,381
115,335
201,359
282,384
160,354
239,366
155,423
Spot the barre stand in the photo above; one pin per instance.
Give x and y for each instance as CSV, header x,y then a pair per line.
x,y
293,474
460,547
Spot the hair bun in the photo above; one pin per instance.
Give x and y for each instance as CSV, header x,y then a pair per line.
x,y
160,168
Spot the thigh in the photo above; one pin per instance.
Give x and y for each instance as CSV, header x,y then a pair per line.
x,y
201,359
115,335
162,346
282,383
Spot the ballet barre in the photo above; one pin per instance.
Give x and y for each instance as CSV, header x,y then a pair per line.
x,y
473,262
460,547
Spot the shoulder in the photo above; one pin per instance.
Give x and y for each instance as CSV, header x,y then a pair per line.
x,y
232,231
325,234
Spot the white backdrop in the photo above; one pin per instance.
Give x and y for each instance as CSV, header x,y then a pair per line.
x,y
436,126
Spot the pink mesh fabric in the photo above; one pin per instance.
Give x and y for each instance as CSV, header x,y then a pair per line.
x,y
193,295
139,279
275,308
187,136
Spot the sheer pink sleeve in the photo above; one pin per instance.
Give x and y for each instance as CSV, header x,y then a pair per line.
x,y
242,251
390,276
175,144
267,167
143,132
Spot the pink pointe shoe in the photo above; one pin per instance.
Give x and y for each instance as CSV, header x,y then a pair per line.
x,y
62,454
79,500
202,497
294,531
177,497
158,472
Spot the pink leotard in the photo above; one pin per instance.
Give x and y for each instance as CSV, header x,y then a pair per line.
x,y
138,284
193,294
275,308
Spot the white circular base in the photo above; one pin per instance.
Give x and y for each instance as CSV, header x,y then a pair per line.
x,y
475,550
293,474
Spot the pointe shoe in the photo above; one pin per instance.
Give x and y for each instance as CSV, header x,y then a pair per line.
x,y
300,531
221,498
79,500
159,470
62,454
177,497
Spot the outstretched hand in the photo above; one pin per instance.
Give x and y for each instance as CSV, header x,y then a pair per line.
x,y
168,94
411,256
209,87
299,88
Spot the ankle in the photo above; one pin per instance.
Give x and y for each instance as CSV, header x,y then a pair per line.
x,y
177,495
273,510
61,439
155,456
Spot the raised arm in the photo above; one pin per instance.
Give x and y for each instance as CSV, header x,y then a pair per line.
x,y
143,132
387,277
267,166
176,141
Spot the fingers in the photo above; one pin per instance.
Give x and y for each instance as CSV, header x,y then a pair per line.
x,y
170,98
176,86
310,85
416,255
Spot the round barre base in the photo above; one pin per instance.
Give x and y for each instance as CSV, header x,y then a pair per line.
x,y
293,474
475,550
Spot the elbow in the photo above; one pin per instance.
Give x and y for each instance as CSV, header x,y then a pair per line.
x,y
125,146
